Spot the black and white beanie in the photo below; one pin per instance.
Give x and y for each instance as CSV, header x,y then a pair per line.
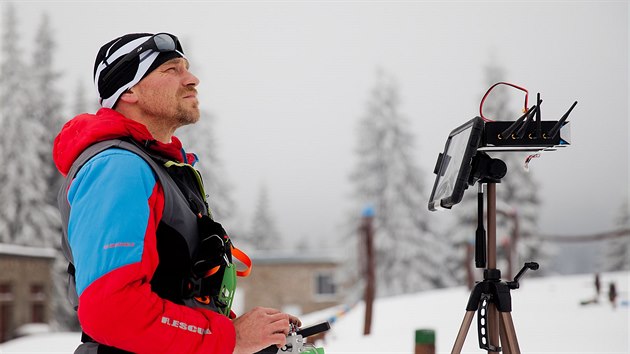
x,y
129,74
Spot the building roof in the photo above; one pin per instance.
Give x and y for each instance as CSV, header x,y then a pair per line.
x,y
27,251
294,257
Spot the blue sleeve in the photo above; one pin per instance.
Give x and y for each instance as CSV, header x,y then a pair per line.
x,y
109,213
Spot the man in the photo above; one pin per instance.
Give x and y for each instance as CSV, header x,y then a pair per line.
x,y
136,222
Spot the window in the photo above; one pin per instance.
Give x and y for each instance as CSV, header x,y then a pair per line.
x,y
38,303
6,310
325,285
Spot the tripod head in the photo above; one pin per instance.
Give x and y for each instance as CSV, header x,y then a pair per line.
x,y
486,169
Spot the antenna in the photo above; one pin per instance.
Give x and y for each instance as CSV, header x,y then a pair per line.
x,y
556,128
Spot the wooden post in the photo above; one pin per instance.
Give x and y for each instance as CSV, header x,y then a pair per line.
x,y
514,244
367,230
425,341
510,253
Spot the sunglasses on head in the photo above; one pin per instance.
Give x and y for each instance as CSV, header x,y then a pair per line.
x,y
161,42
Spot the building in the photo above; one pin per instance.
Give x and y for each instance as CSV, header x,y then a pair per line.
x,y
25,287
292,282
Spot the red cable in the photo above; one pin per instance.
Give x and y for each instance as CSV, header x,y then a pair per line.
x,y
490,89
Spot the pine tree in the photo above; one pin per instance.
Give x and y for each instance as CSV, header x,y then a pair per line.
x,y
45,111
24,215
47,102
263,234
11,75
80,105
408,253
461,235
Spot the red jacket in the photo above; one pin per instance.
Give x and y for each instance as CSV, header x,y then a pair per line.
x,y
116,205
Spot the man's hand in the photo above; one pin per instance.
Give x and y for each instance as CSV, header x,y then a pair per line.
x,y
260,328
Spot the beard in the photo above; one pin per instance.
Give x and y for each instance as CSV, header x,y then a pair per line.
x,y
186,112
175,111
186,115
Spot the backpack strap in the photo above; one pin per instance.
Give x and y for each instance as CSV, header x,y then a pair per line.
x,y
243,258
64,209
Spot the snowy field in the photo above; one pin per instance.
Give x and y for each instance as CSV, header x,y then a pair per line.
x,y
547,315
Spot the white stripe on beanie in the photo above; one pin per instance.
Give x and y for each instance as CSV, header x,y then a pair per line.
x,y
146,59
145,63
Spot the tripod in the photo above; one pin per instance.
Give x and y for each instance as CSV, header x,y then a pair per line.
x,y
491,297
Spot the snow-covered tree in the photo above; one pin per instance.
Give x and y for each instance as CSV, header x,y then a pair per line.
x,y
26,216
12,79
80,103
47,99
45,111
408,253
263,234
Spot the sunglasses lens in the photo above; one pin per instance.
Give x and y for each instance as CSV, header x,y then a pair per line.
x,y
164,43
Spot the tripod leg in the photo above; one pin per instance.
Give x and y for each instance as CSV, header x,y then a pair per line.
x,y
506,345
508,334
493,329
463,331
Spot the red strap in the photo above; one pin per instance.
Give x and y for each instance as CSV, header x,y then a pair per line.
x,y
243,258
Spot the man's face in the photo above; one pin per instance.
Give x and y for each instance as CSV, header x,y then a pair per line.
x,y
169,93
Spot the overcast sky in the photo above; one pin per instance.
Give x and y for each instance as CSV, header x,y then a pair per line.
x,y
288,83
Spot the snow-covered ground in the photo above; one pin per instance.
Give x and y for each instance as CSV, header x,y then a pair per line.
x,y
547,315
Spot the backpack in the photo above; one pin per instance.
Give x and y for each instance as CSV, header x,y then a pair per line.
x,y
211,282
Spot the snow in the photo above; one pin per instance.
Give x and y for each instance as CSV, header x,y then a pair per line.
x,y
546,313
27,251
60,342
30,329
